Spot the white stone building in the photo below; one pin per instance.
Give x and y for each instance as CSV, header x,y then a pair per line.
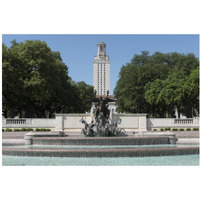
x,y
101,70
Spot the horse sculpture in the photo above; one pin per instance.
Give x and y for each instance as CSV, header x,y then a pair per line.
x,y
102,126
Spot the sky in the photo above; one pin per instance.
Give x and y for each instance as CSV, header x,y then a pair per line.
x,y
78,51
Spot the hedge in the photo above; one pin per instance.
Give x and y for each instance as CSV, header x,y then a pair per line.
x,y
29,129
26,129
42,129
8,130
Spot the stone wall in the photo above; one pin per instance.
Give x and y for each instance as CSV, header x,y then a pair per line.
x,y
132,122
71,122
28,123
172,123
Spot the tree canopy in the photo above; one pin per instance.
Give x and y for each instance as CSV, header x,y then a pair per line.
x,y
158,84
36,82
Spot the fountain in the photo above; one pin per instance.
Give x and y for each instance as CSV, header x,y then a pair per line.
x,y
100,138
102,127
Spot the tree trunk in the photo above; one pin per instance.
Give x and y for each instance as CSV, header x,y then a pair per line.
x,y
178,111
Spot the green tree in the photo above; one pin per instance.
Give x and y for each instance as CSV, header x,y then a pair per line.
x,y
12,82
46,84
129,90
156,84
36,82
153,97
173,91
84,93
191,94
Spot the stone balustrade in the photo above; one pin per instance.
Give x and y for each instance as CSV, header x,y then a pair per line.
x,y
183,121
172,123
16,121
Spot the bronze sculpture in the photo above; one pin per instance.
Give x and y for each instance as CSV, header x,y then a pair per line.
x,y
102,125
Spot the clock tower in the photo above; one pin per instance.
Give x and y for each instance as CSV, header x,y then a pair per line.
x,y
101,70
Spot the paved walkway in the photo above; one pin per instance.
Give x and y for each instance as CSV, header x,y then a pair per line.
x,y
13,135
188,141
13,142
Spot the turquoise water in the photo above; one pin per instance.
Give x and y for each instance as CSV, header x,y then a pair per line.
x,y
183,160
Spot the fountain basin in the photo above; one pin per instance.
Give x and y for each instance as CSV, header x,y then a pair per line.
x,y
135,140
103,152
137,145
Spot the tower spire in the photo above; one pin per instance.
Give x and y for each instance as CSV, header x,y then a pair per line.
x,y
101,50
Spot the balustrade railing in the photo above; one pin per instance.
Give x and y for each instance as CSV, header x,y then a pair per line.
x,y
15,121
183,121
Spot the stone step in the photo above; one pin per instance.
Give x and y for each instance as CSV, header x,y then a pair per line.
x,y
128,152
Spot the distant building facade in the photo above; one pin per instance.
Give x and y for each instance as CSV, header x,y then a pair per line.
x,y
101,70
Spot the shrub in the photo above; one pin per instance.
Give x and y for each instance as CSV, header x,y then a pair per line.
x,y
167,129
162,129
2,130
181,129
23,129
42,129
188,129
195,129
9,130
174,129
154,129
29,129
16,129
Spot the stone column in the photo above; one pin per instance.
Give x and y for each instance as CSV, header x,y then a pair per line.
x,y
59,122
142,122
